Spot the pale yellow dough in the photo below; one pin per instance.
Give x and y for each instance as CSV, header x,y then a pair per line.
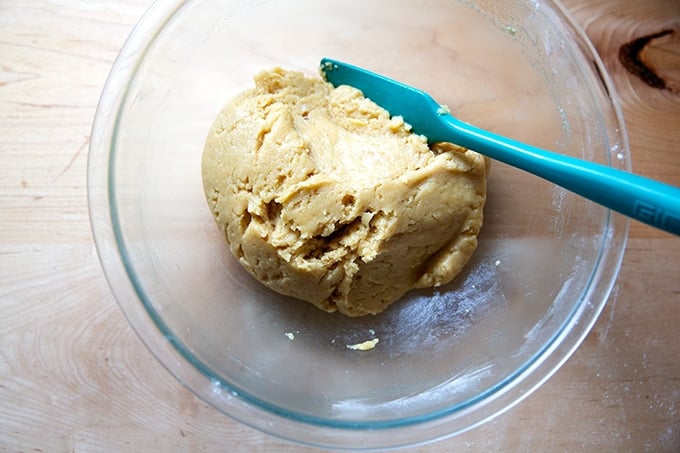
x,y
324,197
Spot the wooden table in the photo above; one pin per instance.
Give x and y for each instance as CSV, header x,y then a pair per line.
x,y
74,377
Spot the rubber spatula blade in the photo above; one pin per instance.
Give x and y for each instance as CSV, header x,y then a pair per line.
x,y
649,201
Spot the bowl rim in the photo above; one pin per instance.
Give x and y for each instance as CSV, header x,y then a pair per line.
x,y
230,400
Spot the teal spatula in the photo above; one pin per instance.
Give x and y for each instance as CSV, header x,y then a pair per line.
x,y
644,199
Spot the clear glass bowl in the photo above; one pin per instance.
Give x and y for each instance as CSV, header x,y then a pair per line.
x,y
448,359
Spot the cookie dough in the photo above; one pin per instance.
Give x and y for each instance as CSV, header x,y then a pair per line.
x,y
323,196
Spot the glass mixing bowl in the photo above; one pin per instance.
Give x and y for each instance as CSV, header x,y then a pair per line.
x,y
447,359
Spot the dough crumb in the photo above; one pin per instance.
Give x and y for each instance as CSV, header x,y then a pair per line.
x,y
290,335
365,346
511,30
443,110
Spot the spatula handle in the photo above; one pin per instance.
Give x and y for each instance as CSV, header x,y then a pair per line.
x,y
649,201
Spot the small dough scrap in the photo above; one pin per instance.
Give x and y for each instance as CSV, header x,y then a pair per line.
x,y
323,196
364,346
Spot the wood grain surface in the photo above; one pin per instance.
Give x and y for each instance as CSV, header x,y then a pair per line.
x,y
74,377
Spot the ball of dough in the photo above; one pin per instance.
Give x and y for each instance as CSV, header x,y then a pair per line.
x,y
323,196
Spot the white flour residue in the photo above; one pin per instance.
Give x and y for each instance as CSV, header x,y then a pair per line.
x,y
443,392
561,217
